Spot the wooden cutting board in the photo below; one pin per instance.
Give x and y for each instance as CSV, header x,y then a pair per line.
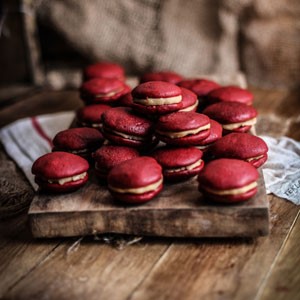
x,y
179,211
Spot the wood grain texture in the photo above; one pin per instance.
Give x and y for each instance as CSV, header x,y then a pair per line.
x,y
179,211
215,268
19,252
284,277
90,270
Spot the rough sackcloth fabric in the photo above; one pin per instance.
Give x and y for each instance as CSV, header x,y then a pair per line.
x,y
194,36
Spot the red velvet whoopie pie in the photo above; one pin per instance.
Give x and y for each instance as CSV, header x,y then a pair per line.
x,y
60,172
243,146
214,135
182,128
102,90
156,97
231,94
189,100
122,126
104,70
233,116
136,181
167,76
109,156
125,100
201,87
90,116
179,163
228,180
81,141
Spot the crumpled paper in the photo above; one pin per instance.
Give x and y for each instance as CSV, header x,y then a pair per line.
x,y
282,169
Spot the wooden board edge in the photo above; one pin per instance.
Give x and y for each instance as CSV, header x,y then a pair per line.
x,y
165,223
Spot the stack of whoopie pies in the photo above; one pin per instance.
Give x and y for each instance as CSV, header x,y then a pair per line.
x,y
167,129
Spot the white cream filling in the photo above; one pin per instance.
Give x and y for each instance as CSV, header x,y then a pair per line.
x,y
236,191
62,181
158,101
189,167
174,135
241,124
110,94
141,190
81,151
126,136
202,147
255,158
190,108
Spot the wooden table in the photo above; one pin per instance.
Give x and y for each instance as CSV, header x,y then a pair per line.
x,y
110,267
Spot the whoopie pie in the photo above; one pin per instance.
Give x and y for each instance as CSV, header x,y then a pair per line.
x,y
182,128
231,94
189,100
90,116
60,172
125,100
243,146
179,163
157,97
167,76
81,141
104,70
102,90
136,181
233,116
214,135
201,87
109,156
123,127
228,180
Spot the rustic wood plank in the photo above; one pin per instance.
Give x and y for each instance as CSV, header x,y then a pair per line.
x,y
218,269
19,252
205,268
90,270
284,279
180,210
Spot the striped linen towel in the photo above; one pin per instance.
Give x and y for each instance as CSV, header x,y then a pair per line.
x,y
27,139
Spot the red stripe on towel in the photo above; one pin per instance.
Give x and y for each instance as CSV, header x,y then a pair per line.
x,y
40,131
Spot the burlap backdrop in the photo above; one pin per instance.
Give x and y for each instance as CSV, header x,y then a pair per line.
x,y
189,36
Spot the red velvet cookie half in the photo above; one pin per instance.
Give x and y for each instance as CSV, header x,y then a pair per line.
x,y
228,180
182,128
60,172
157,97
104,70
166,76
231,94
109,156
189,100
90,116
179,163
201,87
233,116
102,90
215,134
123,127
136,181
81,141
241,146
